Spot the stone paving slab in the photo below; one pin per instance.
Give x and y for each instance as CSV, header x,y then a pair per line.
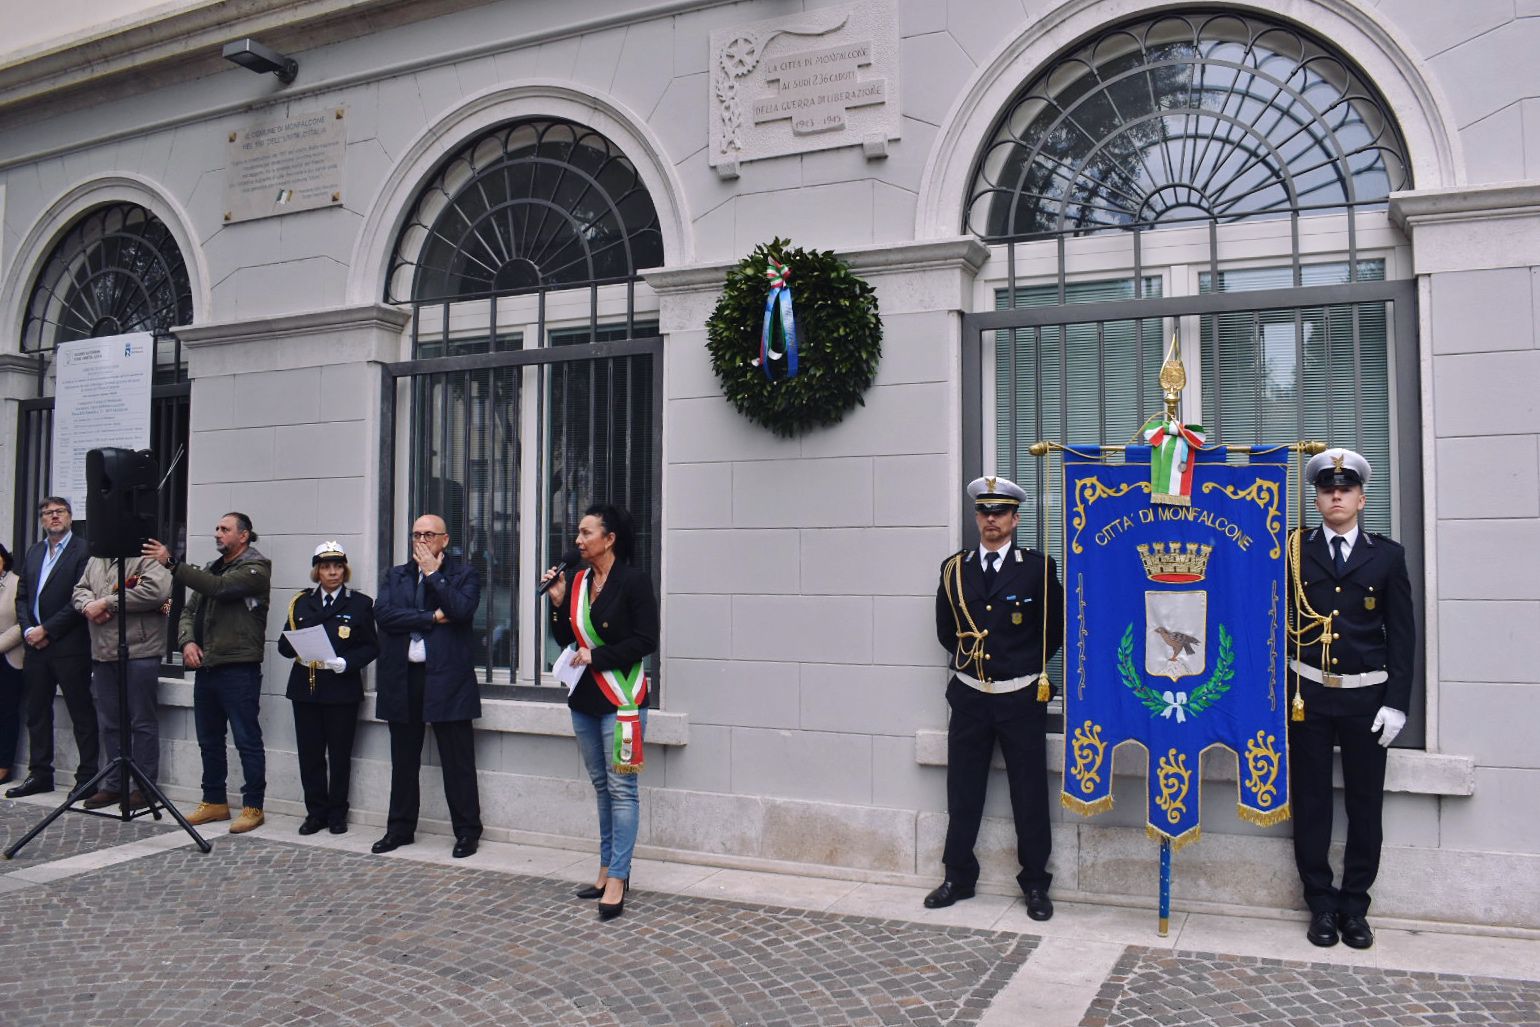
x,y
70,835
1159,988
268,932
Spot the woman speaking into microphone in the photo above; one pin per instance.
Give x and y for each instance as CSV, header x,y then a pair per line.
x,y
606,613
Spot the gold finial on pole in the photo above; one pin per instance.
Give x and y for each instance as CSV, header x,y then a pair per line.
x,y
1173,376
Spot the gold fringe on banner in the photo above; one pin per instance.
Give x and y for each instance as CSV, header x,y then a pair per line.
x,y
1261,818
1085,809
1177,843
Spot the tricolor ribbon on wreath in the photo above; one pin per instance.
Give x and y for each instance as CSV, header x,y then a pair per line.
x,y
1172,444
626,689
780,322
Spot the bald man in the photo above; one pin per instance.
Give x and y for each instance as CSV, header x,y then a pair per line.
x,y
426,613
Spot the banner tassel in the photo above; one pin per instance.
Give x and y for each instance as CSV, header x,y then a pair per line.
x,y
1085,809
1261,818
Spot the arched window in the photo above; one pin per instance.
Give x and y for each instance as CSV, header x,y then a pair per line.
x,y
533,384
535,204
117,270
1186,117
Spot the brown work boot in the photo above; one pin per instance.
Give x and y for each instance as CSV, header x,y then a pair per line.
x,y
101,800
250,818
208,811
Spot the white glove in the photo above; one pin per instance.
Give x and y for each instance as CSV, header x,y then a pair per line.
x,y
337,665
1388,723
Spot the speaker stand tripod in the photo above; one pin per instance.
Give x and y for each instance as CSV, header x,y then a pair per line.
x,y
123,764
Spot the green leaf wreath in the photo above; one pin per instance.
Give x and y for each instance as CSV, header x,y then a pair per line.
x,y
839,333
1202,697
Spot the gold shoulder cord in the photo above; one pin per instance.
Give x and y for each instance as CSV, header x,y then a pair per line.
x,y
1308,628
302,593
970,637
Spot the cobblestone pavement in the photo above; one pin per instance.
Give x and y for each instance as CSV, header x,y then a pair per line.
x,y
1160,988
264,932
69,835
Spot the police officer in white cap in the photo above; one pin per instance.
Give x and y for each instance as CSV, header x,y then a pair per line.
x,y
1000,616
327,695
1351,680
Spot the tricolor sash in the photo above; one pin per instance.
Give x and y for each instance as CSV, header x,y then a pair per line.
x,y
626,689
1172,445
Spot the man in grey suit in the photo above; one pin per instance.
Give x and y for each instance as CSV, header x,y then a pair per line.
x,y
58,647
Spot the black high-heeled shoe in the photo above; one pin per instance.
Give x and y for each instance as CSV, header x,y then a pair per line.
x,y
589,891
610,910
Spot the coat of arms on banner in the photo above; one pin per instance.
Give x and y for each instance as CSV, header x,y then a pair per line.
x,y
1174,631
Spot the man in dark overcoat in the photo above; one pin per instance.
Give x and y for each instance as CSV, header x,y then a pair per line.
x,y
1351,673
58,647
1000,616
426,614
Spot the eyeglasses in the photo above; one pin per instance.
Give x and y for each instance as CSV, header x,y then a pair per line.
x,y
55,512
427,536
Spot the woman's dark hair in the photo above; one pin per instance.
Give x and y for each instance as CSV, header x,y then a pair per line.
x,y
5,558
618,523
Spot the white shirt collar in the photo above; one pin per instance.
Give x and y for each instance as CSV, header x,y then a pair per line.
x,y
1004,551
1349,538
335,595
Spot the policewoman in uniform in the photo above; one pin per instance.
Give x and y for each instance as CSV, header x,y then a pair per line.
x,y
326,696
1000,616
1351,671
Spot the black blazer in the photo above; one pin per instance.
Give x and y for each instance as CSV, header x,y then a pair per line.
x,y
349,624
1012,611
450,691
1375,624
66,629
626,617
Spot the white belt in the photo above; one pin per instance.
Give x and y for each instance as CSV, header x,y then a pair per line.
x,y
995,687
1320,677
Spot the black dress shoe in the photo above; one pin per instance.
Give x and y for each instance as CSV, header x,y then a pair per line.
x,y
390,843
1323,930
1355,931
31,786
341,828
464,847
310,826
1039,905
947,893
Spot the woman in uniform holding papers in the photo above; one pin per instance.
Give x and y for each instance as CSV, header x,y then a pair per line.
x,y
326,694
606,613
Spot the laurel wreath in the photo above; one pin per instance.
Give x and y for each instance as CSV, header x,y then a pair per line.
x,y
1201,698
839,335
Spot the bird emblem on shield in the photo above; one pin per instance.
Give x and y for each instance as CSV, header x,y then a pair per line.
x,y
1176,626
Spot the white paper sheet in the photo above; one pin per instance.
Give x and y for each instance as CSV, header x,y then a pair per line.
x,y
312,644
567,672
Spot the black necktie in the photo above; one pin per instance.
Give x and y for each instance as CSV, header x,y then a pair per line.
x,y
1338,562
327,603
422,596
990,559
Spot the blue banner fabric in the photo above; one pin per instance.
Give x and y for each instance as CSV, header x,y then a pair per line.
x,y
1174,633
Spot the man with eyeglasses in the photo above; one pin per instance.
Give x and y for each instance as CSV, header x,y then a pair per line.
x,y
426,612
58,651
223,634
1000,617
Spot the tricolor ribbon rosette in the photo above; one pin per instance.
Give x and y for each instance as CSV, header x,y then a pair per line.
x,y
1171,443
780,323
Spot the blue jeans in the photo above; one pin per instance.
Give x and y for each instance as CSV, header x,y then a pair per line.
x,y
230,694
616,793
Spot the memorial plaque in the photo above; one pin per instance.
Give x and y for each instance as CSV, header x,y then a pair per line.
x,y
284,165
811,81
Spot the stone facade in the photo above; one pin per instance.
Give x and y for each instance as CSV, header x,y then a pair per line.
x,y
822,750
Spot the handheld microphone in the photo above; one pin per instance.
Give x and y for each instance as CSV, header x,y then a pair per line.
x,y
569,560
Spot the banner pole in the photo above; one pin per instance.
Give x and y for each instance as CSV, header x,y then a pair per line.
x,y
1165,886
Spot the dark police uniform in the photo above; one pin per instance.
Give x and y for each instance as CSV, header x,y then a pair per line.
x,y
326,702
1343,679
995,635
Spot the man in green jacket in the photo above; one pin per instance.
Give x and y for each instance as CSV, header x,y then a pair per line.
x,y
222,633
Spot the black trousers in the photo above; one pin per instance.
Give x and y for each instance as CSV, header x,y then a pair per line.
x,y
1018,723
1337,719
457,753
71,675
323,736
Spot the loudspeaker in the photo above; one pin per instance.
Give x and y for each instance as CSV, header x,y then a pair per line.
x,y
120,500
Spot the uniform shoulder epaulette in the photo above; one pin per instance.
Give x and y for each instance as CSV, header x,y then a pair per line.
x,y
1386,539
952,556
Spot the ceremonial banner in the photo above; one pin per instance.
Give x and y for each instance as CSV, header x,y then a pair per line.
x,y
1174,632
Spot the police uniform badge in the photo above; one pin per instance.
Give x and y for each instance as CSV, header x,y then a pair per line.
x,y
343,631
1016,617
1368,602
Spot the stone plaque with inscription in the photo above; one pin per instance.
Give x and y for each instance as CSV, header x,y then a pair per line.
x,y
812,81
284,165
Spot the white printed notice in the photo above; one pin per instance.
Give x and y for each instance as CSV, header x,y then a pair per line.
x,y
101,400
